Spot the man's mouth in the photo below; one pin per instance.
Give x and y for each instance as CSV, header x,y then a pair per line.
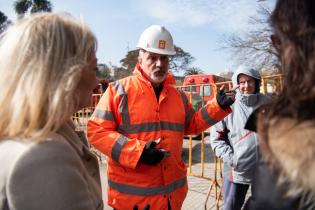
x,y
159,73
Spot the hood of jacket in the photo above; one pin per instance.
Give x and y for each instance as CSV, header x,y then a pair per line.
x,y
249,72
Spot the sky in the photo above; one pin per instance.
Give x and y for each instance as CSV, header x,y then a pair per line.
x,y
197,26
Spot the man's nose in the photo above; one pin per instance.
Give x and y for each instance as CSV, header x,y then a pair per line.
x,y
159,62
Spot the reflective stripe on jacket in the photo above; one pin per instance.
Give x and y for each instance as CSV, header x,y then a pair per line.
x,y
127,116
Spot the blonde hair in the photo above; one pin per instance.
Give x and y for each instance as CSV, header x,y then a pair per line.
x,y
41,62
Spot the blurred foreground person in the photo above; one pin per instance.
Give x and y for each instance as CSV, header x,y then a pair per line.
x,y
140,123
285,177
47,68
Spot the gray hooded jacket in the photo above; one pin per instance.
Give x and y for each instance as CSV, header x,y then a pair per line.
x,y
236,146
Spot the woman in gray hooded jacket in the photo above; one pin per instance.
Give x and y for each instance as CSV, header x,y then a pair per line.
x,y
236,146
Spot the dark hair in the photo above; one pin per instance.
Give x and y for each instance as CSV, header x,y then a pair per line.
x,y
293,22
257,86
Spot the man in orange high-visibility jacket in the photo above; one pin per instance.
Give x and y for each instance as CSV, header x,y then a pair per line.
x,y
139,125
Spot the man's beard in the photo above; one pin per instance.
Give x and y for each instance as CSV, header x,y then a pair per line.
x,y
158,75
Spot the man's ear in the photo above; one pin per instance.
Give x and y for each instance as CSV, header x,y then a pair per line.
x,y
140,61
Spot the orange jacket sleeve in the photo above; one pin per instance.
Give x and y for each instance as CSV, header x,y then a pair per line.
x,y
102,133
205,117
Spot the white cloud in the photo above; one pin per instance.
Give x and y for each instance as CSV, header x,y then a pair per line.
x,y
225,15
175,11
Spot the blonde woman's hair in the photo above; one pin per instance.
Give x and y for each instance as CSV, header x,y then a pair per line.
x,y
41,62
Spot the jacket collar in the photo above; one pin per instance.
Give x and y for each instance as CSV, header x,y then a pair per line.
x,y
248,99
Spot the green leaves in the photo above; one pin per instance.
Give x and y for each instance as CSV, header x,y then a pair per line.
x,y
21,7
4,22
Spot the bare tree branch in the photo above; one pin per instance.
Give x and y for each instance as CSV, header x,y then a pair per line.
x,y
254,48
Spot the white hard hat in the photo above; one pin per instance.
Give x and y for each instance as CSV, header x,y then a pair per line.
x,y
157,39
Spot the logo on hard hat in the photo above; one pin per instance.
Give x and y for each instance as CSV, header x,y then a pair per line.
x,y
162,44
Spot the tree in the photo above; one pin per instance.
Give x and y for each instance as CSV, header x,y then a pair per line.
x,y
120,72
128,63
226,74
177,63
193,71
4,22
255,47
21,7
104,72
181,61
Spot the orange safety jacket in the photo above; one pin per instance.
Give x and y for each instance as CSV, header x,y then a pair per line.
x,y
129,115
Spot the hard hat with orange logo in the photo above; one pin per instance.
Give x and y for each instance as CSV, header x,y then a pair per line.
x,y
157,39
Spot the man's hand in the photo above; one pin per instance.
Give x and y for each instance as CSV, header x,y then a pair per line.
x,y
226,99
152,155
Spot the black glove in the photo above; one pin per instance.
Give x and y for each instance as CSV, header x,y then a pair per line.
x,y
152,155
223,135
223,100
251,123
147,207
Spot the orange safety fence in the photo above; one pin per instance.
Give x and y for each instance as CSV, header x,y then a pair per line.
x,y
80,120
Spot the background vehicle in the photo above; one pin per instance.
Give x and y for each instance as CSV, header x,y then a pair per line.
x,y
201,88
196,101
202,84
